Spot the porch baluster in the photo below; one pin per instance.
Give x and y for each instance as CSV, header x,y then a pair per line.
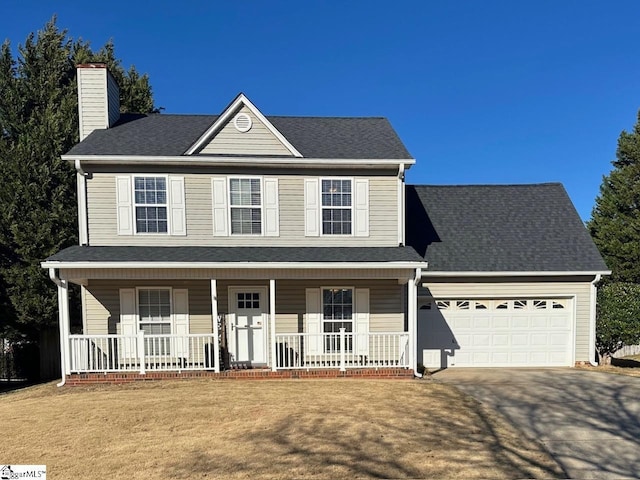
x,y
141,358
343,347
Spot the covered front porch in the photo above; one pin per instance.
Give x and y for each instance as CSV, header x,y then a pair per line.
x,y
147,320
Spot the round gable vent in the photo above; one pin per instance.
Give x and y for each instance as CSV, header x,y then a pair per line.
x,y
242,122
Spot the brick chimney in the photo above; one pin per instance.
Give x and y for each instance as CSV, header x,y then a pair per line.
x,y
98,98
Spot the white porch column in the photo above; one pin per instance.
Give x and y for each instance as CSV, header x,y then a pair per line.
x,y
63,324
412,320
272,322
216,332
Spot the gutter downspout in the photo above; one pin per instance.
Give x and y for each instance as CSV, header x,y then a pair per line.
x,y
401,204
592,323
81,184
55,279
414,345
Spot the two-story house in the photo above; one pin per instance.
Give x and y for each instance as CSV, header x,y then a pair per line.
x,y
279,244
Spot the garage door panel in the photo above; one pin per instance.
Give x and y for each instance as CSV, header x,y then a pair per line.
x,y
519,358
539,322
538,358
500,322
499,357
481,322
500,340
481,340
558,322
519,322
461,323
539,339
480,358
524,332
558,358
558,339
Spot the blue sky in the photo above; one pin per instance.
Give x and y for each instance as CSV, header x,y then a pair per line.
x,y
479,91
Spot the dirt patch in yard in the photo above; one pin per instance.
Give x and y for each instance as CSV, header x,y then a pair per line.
x,y
265,429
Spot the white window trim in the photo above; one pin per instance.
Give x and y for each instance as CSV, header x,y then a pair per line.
x,y
229,206
157,287
353,302
351,207
134,203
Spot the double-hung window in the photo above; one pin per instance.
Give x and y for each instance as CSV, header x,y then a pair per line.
x,y
337,313
246,206
336,207
154,310
150,195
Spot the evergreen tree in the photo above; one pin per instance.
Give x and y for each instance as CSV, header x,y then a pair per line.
x,y
38,123
615,220
615,228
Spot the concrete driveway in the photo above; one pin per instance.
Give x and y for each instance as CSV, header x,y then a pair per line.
x,y
589,421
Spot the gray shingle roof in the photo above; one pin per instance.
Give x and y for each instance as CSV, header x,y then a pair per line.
x,y
236,254
313,137
500,228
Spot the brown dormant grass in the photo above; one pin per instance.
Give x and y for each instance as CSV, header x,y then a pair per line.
x,y
629,365
264,429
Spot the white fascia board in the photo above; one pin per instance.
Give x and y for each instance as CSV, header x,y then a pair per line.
x,y
225,116
512,274
238,265
233,161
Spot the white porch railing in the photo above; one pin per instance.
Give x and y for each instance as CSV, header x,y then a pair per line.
x,y
142,353
139,353
342,350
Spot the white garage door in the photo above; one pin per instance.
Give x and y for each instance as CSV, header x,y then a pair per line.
x,y
528,332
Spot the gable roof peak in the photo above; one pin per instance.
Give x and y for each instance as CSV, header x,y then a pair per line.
x,y
236,104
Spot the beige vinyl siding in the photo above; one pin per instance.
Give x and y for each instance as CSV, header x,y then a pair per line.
x,y
103,303
527,289
102,300
386,312
92,84
259,140
385,297
383,215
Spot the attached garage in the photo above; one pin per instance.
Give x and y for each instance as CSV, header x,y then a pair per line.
x,y
511,276
521,332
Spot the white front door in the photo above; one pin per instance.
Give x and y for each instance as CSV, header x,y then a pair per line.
x,y
247,325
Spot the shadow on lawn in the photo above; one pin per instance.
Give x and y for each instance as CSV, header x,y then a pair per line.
x,y
440,446
625,363
6,386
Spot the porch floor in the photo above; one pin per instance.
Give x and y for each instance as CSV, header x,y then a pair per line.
x,y
78,379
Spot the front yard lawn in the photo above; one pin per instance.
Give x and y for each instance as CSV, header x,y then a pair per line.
x,y
264,429
629,365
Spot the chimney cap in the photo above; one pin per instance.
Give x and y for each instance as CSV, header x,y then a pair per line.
x,y
91,65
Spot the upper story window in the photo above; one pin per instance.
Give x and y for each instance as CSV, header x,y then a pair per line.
x,y
246,206
151,204
336,207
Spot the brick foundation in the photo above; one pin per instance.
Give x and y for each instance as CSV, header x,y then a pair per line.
x,y
77,379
